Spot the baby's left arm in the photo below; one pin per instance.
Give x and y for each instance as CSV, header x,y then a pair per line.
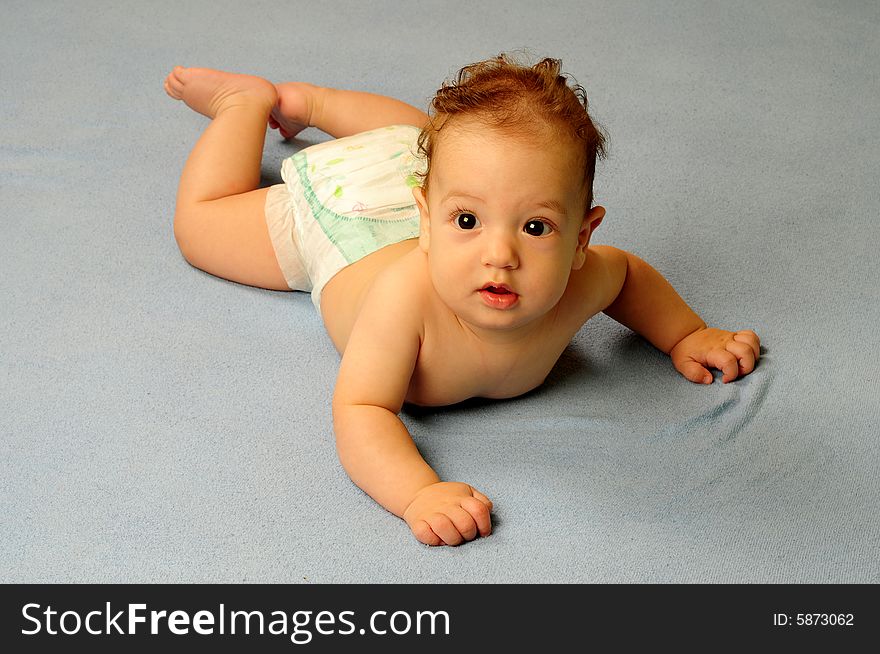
x,y
647,304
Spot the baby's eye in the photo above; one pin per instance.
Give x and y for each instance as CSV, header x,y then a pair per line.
x,y
537,228
466,220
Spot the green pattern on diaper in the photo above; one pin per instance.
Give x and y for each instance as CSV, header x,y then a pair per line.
x,y
355,236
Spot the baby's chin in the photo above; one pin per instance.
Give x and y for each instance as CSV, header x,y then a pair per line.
x,y
476,314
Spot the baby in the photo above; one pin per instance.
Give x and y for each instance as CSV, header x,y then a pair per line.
x,y
448,255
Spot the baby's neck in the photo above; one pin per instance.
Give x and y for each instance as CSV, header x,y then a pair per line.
x,y
504,337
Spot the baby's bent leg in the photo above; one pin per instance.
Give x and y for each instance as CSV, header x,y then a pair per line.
x,y
226,159
338,112
219,222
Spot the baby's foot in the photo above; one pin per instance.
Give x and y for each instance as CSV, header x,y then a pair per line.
x,y
293,113
210,91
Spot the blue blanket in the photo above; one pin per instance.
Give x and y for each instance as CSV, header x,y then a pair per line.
x,y
160,424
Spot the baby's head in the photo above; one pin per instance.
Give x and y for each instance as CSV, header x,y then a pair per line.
x,y
521,102
506,198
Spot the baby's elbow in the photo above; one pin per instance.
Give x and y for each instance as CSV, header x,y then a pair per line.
x,y
347,412
339,406
183,237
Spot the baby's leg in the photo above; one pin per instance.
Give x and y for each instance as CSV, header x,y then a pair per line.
x,y
219,222
338,112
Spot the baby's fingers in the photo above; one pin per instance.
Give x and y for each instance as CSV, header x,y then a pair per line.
x,y
485,500
445,529
437,529
751,339
479,512
424,534
744,353
726,362
464,522
693,371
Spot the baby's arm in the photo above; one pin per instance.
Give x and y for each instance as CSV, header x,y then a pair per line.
x,y
373,444
339,112
647,304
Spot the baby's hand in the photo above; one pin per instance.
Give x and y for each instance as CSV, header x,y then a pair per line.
x,y
733,353
448,513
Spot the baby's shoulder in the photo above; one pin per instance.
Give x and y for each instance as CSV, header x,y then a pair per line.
x,y
401,289
597,283
406,277
604,263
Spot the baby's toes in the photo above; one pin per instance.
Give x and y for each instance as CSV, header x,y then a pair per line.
x,y
170,91
173,85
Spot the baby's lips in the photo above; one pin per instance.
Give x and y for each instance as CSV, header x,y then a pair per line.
x,y
495,288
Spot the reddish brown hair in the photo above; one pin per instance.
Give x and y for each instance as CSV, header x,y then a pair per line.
x,y
517,99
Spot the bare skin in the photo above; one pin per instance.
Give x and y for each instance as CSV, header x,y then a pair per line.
x,y
239,244
457,333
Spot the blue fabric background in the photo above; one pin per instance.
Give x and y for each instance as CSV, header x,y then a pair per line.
x,y
160,424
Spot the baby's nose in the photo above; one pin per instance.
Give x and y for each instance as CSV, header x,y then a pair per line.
x,y
500,252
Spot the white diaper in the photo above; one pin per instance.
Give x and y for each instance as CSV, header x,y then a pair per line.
x,y
341,201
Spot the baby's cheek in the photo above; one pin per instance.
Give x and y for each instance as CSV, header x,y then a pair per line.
x,y
550,287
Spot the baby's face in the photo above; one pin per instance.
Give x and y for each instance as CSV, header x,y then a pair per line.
x,y
503,226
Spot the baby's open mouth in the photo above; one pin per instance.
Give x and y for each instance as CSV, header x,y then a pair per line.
x,y
499,296
498,289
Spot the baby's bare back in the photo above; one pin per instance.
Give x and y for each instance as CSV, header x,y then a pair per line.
x,y
453,363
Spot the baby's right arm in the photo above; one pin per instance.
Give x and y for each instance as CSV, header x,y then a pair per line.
x,y
374,446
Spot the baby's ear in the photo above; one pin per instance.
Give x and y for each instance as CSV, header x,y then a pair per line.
x,y
424,218
591,221
595,217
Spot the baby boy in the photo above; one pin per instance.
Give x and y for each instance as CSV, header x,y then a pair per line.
x,y
449,255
